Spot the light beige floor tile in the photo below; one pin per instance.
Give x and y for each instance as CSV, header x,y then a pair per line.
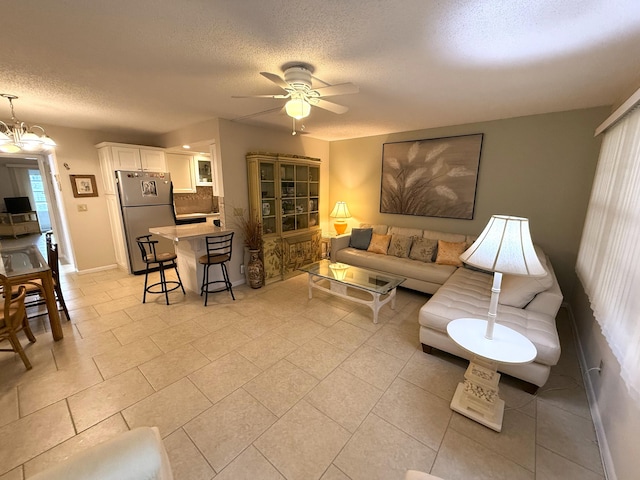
x,y
281,386
380,451
362,317
345,336
344,398
325,315
122,292
121,359
8,405
434,373
34,434
373,366
140,329
88,301
568,435
226,429
143,310
99,433
516,441
13,371
516,398
174,337
168,409
102,323
423,415
266,350
318,358
224,376
461,457
15,474
107,398
174,315
221,342
103,286
257,325
333,473
550,466
186,461
299,330
303,443
172,366
81,314
75,349
110,306
565,393
217,317
250,465
52,387
394,341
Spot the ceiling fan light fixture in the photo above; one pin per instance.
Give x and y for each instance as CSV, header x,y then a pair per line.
x,y
298,108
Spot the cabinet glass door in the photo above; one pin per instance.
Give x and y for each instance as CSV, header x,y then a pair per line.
x,y
268,195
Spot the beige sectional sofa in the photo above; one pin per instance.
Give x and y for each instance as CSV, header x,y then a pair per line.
x,y
528,305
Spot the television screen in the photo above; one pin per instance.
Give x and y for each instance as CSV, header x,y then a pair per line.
x,y
17,204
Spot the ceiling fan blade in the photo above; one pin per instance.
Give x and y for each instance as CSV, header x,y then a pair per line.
x,y
332,107
340,89
260,96
264,112
278,80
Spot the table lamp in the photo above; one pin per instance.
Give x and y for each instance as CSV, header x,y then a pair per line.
x,y
504,246
340,212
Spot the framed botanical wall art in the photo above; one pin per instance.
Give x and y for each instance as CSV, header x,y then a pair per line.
x,y
84,185
433,178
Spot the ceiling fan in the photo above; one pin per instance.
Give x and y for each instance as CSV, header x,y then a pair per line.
x,y
300,94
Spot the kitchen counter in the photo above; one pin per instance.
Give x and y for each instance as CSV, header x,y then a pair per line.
x,y
190,245
185,216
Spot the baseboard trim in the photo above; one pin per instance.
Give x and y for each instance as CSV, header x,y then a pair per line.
x,y
603,444
97,269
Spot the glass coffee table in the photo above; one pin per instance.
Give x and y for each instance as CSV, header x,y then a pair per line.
x,y
342,277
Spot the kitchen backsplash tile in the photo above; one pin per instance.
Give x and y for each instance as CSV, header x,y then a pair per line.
x,y
203,201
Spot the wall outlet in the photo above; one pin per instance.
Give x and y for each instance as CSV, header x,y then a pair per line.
x,y
82,207
241,268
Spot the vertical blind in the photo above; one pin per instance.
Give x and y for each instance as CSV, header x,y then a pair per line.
x,y
609,260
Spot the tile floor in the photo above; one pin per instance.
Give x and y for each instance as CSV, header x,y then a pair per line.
x,y
275,386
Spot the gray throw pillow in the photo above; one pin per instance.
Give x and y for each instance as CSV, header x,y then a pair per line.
x,y
400,245
360,238
423,249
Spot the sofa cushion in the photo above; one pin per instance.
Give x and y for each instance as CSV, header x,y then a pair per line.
x,y
409,232
400,245
517,291
423,249
360,238
379,243
449,237
449,253
379,229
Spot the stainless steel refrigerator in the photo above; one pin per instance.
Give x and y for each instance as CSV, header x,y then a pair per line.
x,y
146,200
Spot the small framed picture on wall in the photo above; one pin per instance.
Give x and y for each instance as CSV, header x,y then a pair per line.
x,y
84,186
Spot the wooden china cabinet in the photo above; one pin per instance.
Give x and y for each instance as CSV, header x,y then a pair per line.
x,y
284,194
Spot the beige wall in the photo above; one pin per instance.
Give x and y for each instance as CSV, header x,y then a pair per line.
x,y
88,232
540,167
618,412
235,141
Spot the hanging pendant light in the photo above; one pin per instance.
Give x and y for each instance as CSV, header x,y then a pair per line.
x,y
19,136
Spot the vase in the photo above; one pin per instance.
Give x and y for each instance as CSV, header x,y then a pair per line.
x,y
255,269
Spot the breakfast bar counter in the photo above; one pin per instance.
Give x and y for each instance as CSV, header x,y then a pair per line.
x,y
189,241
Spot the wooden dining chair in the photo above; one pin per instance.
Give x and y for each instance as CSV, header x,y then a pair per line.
x,y
13,319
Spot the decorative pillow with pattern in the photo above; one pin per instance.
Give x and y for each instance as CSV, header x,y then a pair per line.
x,y
400,245
449,253
379,243
423,249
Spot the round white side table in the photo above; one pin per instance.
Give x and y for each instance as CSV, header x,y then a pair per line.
x,y
477,397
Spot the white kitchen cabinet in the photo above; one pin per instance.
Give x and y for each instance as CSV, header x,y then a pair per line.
x,y
115,220
182,170
120,156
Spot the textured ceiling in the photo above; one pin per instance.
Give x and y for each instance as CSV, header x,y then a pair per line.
x,y
152,66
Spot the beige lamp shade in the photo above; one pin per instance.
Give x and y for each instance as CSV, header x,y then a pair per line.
x,y
340,212
505,246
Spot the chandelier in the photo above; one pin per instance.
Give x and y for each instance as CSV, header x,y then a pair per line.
x,y
18,136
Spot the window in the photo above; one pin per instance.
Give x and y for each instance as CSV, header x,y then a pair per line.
x,y
609,258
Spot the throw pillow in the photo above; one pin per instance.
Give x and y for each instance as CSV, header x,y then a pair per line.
x,y
400,245
449,253
517,291
379,243
423,249
360,238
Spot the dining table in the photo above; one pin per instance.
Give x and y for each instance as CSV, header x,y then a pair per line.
x,y
26,263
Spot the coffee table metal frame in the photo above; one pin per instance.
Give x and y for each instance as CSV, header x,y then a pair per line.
x,y
341,277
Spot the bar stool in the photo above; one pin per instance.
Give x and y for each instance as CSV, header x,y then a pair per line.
x,y
218,253
164,260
